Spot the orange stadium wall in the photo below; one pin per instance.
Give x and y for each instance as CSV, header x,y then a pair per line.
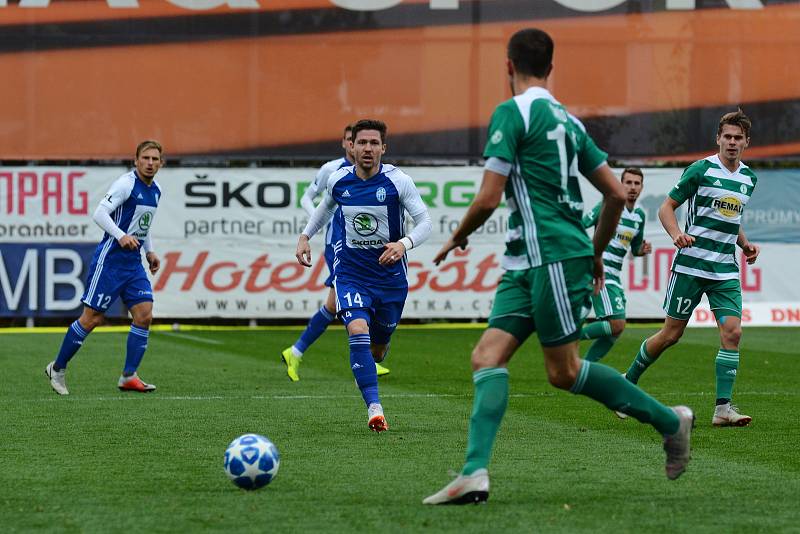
x,y
279,78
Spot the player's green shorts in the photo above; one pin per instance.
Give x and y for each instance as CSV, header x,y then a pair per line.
x,y
609,303
552,300
684,292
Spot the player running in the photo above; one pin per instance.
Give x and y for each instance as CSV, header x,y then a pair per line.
x,y
292,356
717,189
370,265
609,303
534,152
125,214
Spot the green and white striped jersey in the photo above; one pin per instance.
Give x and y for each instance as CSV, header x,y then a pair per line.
x,y
717,198
629,236
546,147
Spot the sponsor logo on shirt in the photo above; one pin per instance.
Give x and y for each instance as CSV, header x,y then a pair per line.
x,y
365,224
625,237
346,193
717,183
145,220
728,206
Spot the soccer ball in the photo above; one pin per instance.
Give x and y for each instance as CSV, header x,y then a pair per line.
x,y
251,461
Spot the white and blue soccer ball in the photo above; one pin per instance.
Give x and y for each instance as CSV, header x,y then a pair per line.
x,y
251,461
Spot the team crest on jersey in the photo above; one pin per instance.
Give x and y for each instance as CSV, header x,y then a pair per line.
x,y
380,194
728,206
743,189
497,136
365,224
145,220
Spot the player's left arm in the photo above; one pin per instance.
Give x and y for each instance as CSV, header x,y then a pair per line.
x,y
412,202
641,246
150,255
751,250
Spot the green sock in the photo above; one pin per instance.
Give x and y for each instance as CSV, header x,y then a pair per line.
x,y
639,364
600,348
727,364
488,408
607,386
596,329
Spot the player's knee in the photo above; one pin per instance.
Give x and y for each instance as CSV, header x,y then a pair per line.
x,y
617,327
562,378
482,359
143,318
90,322
732,336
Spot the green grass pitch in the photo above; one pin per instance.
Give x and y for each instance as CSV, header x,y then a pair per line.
x,y
101,460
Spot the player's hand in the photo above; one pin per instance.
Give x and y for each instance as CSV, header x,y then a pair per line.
x,y
303,252
128,241
751,252
445,250
646,248
394,252
598,275
153,261
683,240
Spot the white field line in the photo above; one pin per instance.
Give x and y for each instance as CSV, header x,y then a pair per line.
x,y
192,338
156,396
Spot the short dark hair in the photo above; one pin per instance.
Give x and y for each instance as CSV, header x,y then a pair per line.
x,y
370,124
531,52
149,143
736,118
632,170
348,128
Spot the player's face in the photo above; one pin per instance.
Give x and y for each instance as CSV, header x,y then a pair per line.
x,y
632,184
368,149
732,142
148,162
347,145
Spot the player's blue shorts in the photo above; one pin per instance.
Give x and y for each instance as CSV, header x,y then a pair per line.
x,y
380,307
329,257
107,283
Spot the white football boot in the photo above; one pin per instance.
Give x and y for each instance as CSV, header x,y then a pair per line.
x,y
677,445
57,381
728,415
464,489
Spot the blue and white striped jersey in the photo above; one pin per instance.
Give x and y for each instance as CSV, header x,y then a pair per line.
x,y
132,205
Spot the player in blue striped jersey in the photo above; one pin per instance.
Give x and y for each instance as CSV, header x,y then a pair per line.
x,y
367,203
125,214
293,356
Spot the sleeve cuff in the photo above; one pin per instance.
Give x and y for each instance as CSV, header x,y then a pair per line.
x,y
407,243
500,166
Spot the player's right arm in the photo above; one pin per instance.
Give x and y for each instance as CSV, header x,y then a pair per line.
x,y
322,214
118,193
685,188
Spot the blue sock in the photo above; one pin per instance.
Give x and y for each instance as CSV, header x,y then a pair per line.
x,y
316,327
72,342
363,367
137,344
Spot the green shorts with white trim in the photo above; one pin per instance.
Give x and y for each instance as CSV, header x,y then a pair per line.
x,y
552,300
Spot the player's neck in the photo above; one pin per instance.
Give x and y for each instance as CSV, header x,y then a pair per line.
x,y
629,205
148,181
367,173
731,164
520,84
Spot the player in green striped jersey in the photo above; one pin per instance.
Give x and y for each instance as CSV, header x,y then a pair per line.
x,y
534,152
717,189
609,303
